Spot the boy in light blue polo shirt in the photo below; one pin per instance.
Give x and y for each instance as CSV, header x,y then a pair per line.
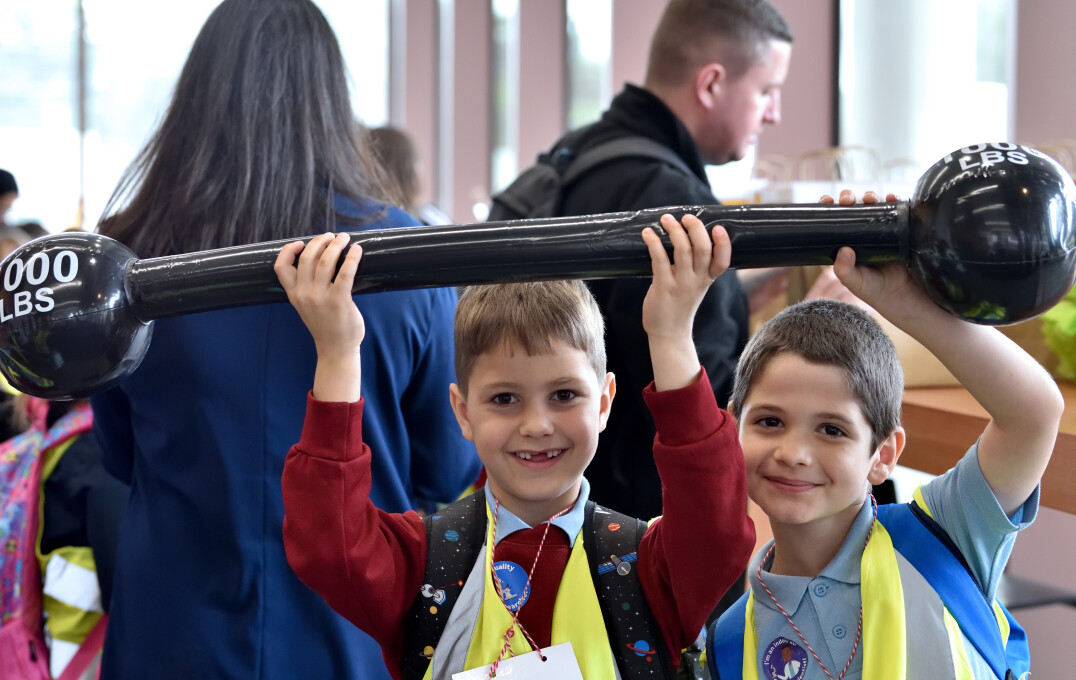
x,y
838,593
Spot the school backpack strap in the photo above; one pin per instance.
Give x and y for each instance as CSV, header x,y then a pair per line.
x,y
76,421
87,651
538,191
611,541
622,147
724,646
455,537
929,549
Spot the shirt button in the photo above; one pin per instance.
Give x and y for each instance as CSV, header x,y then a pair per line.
x,y
838,632
820,589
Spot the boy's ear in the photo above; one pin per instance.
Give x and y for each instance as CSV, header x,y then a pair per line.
x,y
709,80
459,407
888,453
606,403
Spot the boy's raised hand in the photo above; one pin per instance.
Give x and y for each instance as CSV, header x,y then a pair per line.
x,y
676,292
322,296
1022,399
889,288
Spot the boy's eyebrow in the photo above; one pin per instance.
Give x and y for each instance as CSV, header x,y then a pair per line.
x,y
507,384
827,415
836,416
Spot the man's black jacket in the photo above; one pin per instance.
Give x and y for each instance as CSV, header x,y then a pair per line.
x,y
623,475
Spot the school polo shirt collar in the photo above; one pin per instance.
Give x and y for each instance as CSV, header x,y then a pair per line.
x,y
843,569
570,522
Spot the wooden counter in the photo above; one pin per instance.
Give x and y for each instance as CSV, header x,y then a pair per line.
x,y
942,422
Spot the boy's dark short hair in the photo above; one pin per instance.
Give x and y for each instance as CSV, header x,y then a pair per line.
x,y
531,315
695,32
831,333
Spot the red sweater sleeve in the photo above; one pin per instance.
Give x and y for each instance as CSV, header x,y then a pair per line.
x,y
366,563
703,541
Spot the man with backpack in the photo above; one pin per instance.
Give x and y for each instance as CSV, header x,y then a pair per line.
x,y
713,81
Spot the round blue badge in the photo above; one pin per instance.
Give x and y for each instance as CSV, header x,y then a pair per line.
x,y
510,579
784,660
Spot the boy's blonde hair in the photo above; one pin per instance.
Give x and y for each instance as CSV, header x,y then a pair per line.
x,y
530,315
831,333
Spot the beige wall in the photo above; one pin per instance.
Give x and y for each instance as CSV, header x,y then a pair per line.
x,y
1045,98
807,97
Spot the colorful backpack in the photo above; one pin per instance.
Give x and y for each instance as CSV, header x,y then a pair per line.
x,y
23,653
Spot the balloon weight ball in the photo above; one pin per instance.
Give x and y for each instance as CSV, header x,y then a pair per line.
x,y
992,237
66,327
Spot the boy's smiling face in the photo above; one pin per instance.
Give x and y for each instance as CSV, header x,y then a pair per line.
x,y
535,422
807,445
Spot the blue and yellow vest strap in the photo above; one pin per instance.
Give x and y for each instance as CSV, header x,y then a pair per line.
x,y
724,645
994,633
921,541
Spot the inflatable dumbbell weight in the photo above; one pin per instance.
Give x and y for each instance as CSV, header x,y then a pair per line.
x,y
989,234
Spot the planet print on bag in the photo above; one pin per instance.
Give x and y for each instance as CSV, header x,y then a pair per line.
x,y
643,648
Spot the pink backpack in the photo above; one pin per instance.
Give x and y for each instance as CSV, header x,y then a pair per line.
x,y
23,654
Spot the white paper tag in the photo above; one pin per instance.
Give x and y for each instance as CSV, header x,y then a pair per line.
x,y
559,664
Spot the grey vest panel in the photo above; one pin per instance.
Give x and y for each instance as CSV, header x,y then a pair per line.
x,y
929,655
450,655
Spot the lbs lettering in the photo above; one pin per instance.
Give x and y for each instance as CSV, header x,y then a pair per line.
x,y
990,154
35,271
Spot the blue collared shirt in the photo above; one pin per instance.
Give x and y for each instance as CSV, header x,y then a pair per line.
x,y
826,608
570,522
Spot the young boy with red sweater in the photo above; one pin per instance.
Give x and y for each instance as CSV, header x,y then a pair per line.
x,y
533,394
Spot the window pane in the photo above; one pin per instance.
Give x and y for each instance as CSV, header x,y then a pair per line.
x,y
134,52
505,93
921,88
590,49
363,31
38,94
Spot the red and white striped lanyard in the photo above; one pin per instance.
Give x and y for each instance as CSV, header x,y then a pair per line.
x,y
508,634
859,628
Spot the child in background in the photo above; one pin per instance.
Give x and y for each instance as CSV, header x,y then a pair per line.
x,y
533,394
817,398
395,151
59,518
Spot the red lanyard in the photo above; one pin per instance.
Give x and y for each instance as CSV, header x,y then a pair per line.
x,y
508,634
859,628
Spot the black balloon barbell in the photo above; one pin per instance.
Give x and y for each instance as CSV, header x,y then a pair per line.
x,y
989,234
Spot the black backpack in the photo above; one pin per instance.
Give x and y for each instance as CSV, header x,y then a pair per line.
x,y
455,538
538,191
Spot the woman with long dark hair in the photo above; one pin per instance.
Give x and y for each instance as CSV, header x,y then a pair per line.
x,y
259,143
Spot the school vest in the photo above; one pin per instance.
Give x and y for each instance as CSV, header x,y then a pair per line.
x,y
915,583
457,621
